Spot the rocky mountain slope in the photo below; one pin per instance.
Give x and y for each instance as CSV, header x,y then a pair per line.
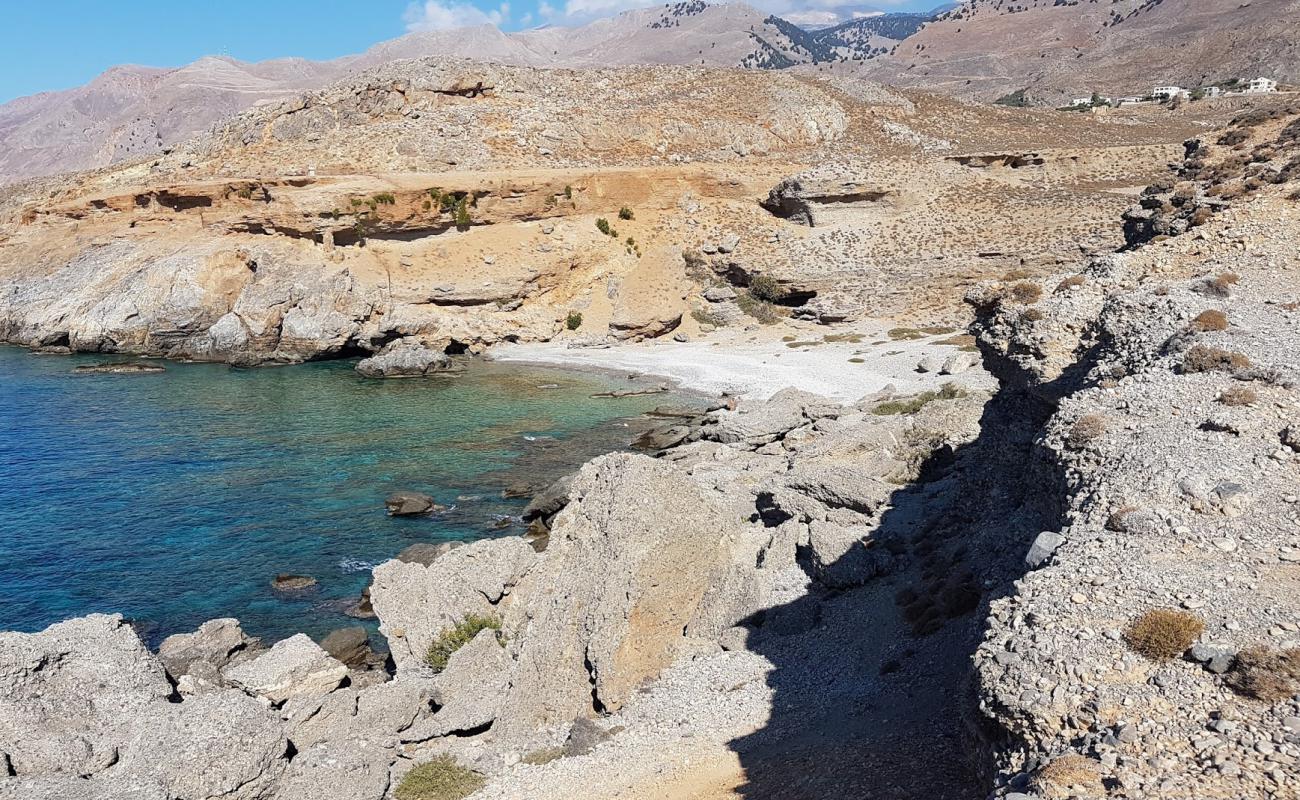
x,y
134,112
454,205
1059,50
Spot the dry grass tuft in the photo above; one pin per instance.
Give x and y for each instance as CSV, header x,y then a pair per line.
x,y
1203,358
1209,320
1070,283
1115,522
1163,633
1086,430
439,779
1266,674
1026,292
1238,396
1220,285
1067,772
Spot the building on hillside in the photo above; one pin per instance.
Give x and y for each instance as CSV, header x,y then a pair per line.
x,y
1080,101
1261,86
1211,91
1169,92
1128,101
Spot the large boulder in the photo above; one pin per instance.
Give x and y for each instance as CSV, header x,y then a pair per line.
x,y
632,558
404,358
294,666
415,602
351,769
469,691
73,695
215,642
225,744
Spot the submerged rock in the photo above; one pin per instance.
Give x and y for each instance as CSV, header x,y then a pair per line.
x,y
285,582
123,368
408,504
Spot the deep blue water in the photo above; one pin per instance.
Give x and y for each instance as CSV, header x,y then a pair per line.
x,y
174,498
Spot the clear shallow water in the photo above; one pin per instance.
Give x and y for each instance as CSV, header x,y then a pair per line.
x,y
174,498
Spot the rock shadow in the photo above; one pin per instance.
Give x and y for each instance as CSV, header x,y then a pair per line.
x,y
878,698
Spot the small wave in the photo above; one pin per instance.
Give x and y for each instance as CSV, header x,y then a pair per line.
x,y
469,498
357,565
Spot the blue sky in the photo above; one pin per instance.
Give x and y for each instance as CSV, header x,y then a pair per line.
x,y
56,44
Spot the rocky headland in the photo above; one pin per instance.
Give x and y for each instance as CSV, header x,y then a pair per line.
x,y
1080,580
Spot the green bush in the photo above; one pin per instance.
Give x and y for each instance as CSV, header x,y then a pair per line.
x,y
462,213
451,639
384,199
439,779
760,310
625,213
568,192
911,405
573,321
604,227
765,288
1017,99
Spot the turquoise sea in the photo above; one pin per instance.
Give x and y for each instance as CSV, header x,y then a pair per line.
x,y
174,498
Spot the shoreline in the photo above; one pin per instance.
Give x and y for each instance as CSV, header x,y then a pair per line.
x,y
756,365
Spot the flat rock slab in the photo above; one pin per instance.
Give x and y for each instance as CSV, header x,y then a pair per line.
x,y
294,666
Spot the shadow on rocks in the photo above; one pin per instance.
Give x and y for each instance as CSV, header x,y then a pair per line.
x,y
875,696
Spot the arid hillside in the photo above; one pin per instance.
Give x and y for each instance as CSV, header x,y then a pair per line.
x,y
1056,50
456,205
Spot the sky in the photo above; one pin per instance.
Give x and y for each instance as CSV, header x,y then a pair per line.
x,y
58,44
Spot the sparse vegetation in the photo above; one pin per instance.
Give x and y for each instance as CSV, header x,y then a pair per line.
x,y
1220,285
451,639
544,756
462,214
1070,283
1238,396
573,321
439,779
1163,633
708,318
1203,358
1069,771
625,213
1026,292
1016,99
568,192
765,288
911,405
1209,320
604,227
384,199
1086,430
760,310
1266,674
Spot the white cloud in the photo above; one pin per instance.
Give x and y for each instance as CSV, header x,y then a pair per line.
x,y
432,15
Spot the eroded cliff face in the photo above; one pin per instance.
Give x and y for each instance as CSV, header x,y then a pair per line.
x,y
1174,375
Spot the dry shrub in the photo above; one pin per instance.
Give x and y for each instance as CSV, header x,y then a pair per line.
x,y
1220,285
1200,216
1031,315
1070,283
1238,396
1163,633
1086,430
1026,292
1017,274
1203,358
1266,674
1209,320
1115,522
1069,771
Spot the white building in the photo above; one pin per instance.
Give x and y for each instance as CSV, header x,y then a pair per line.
x,y
1169,92
1261,86
1211,91
1081,101
1128,101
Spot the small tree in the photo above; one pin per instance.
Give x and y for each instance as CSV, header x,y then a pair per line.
x,y
573,321
462,214
625,213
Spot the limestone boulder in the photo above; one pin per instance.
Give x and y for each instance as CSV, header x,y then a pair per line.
x,y
404,358
469,690
349,769
415,602
292,667
631,561
73,695
214,642
225,745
